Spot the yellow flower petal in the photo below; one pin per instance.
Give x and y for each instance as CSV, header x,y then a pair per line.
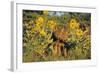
x,y
73,24
51,24
79,32
40,20
42,32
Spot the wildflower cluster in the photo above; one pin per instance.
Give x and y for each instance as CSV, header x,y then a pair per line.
x,y
52,35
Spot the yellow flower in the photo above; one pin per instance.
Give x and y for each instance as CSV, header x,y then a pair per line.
x,y
45,12
51,24
37,28
73,24
39,20
42,32
79,32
